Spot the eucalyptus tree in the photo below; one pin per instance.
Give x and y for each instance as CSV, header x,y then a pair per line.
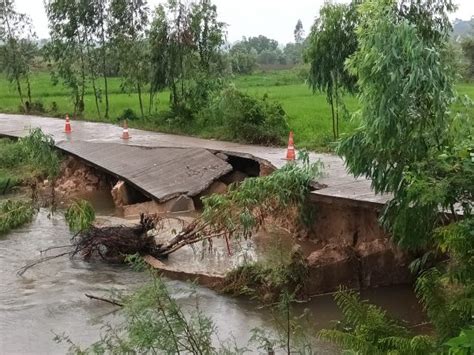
x,y
406,89
208,34
412,145
17,50
128,23
101,8
299,32
331,41
467,46
186,42
159,59
67,48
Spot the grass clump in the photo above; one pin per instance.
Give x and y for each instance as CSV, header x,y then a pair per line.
x,y
80,216
13,214
27,160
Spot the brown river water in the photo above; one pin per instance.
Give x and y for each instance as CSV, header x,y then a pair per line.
x,y
49,298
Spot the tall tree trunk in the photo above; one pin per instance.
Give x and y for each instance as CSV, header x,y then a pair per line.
x,y
104,69
92,70
76,102
331,102
150,103
28,87
20,92
96,97
336,95
106,93
83,83
139,89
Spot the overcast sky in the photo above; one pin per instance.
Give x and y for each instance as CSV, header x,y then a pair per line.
x,y
273,18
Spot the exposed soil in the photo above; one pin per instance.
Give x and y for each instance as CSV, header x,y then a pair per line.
x,y
350,248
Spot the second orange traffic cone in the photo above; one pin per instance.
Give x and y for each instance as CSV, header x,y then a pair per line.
x,y
125,134
291,153
67,127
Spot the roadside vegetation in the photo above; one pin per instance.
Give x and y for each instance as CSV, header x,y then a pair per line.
x,y
24,163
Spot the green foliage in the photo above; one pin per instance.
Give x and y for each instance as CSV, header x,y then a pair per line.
x,y
242,62
444,182
367,329
14,214
80,216
467,46
245,206
331,42
39,150
406,90
17,49
128,23
128,114
462,344
411,145
27,159
186,40
267,280
293,333
155,323
246,118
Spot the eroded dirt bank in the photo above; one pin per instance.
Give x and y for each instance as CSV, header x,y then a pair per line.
x,y
346,245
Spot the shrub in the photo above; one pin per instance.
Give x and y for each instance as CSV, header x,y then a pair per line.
x,y
11,154
13,214
248,119
196,95
54,107
32,107
128,114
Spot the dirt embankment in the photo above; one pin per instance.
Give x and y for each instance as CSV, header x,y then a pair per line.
x,y
348,247
354,250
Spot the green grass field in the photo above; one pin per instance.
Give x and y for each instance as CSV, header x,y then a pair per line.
x,y
308,114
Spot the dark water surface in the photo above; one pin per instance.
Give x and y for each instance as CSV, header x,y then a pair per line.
x,y
49,299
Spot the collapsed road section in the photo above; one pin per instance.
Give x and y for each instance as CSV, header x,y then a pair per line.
x,y
152,180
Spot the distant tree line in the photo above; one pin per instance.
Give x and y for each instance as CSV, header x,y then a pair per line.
x,y
179,45
249,53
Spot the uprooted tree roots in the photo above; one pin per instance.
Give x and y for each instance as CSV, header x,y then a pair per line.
x,y
114,244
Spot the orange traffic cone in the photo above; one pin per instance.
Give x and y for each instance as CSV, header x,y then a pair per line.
x,y
67,127
125,134
290,153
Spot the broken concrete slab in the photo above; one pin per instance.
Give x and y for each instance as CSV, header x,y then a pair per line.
x,y
181,204
178,204
160,173
120,194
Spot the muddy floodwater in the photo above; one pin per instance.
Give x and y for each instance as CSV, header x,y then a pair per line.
x,y
49,299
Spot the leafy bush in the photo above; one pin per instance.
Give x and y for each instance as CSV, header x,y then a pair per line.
x,y
247,119
128,114
28,158
367,329
13,214
54,107
80,216
39,151
11,154
197,95
7,183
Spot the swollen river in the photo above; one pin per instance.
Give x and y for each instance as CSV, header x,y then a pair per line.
x,y
49,298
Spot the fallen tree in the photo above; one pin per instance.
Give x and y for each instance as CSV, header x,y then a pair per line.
x,y
241,212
